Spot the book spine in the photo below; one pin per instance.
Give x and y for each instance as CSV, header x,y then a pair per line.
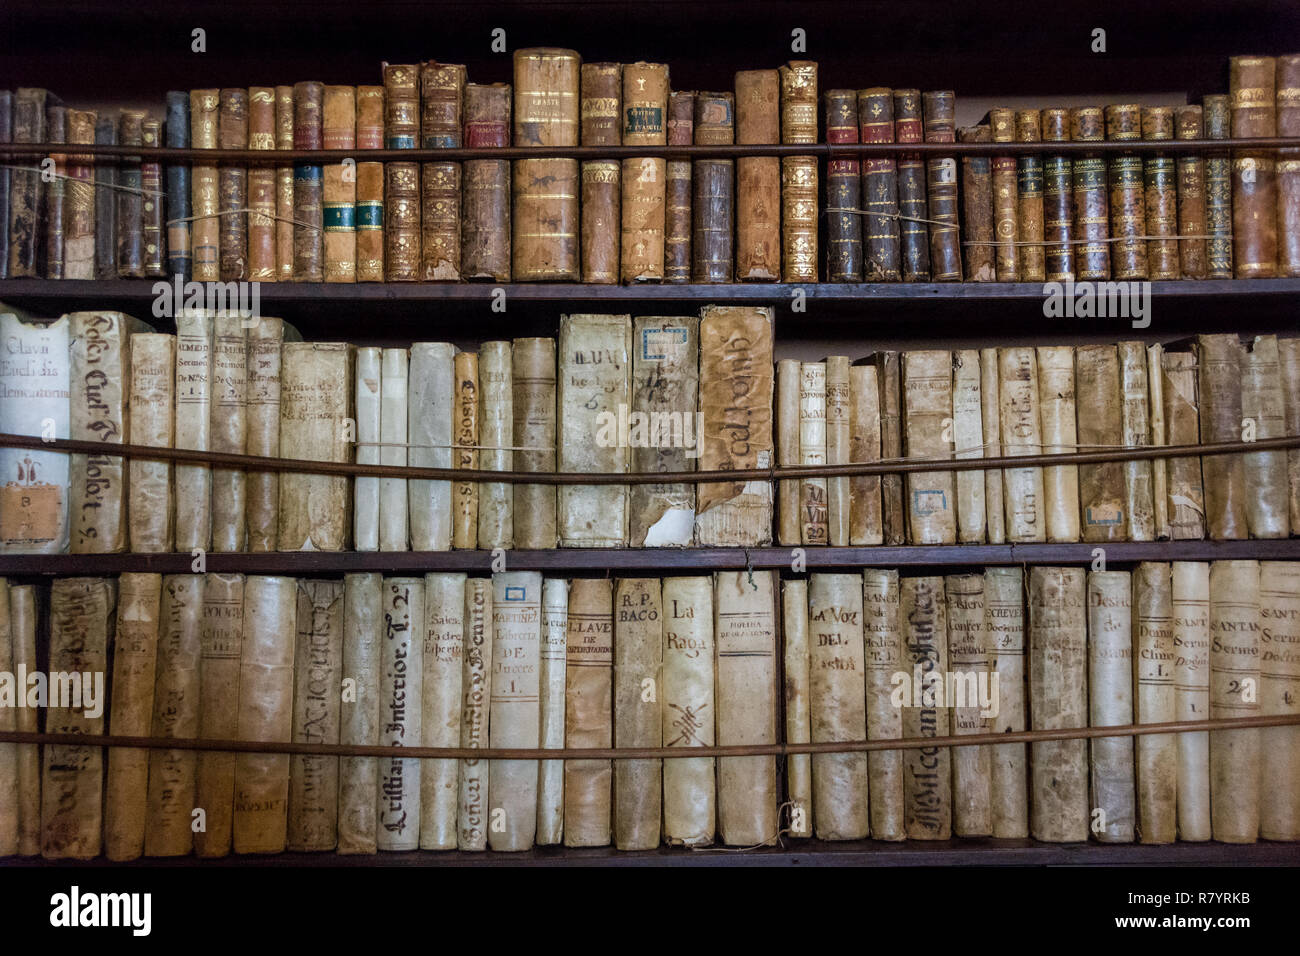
x,y
837,694
1159,435
496,436
1234,677
1057,412
939,109
1127,199
1289,360
442,89
1219,374
1160,180
261,186
1252,86
1091,208
865,520
601,105
927,415
308,184
1002,123
262,504
485,230
152,422
232,187
546,211
473,813
465,425
677,216
837,448
393,394
339,185
22,621
1288,166
1004,615
550,778
713,190
106,196
601,220
812,452
1058,198
912,206
152,201
398,812
843,191
689,706
758,178
1136,427
359,720
368,214
26,192
880,187
799,188
79,204
1178,384
788,386
1218,188
927,774
284,186
431,383
1191,635
50,255
977,206
441,703
970,655
798,719
884,658
533,374
1102,498
644,179
1154,663
968,441
1029,199
1192,225
891,445
6,180
221,644
1110,702
193,483
1263,405
514,717
100,379
1279,677
402,180
229,431
588,721
638,661
204,193
991,422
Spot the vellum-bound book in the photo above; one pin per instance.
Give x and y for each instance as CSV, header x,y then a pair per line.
x,y
533,375
968,437
1186,498
473,810
991,419
1279,693
837,448
1156,755
193,483
550,775
1057,413
1235,626
514,718
229,430
398,814
176,712
496,423
587,716
927,780
262,510
1267,510
789,382
1022,488
393,515
9,800
369,418
1110,696
595,354
318,674
221,637
149,488
1102,499
72,784
1289,362
927,407
838,705
1219,394
1004,610
812,452
970,657
798,717
736,429
363,632
1158,435
441,701
1135,422
689,710
429,423
465,411
865,519
1191,633
22,620
638,722
884,658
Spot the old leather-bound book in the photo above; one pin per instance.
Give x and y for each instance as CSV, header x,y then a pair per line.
x,y
968,441
1192,254
595,376
1262,403
284,185
991,424
1161,192
1002,124
977,206
107,195
369,212
339,189
1091,205
473,809
970,655
194,387
789,382
927,776
1110,702
1186,499
308,183
485,202
262,510
1004,614
22,621
359,722
261,186
1191,636
496,423
50,253
677,212
665,389
939,109
1102,499
27,190
401,180
1234,680
465,411
1288,167
735,399
713,190
1135,423
758,178
546,211
638,659
866,525
534,377
1218,188
232,186
1219,377
1289,359
316,396
927,404
843,190
442,93
645,114
884,658
397,814
1127,196
798,719
514,717
1279,671
799,192
72,784
152,422
229,430
1252,85
1058,699
588,720
879,187
441,703
179,227
135,656
1058,414
221,644
894,510
812,452
550,778
689,709
1029,199
837,691
1058,197
1154,662
602,125
79,200
204,193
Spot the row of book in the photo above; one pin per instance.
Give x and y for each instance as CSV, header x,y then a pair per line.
x,y
619,395
522,661
1030,217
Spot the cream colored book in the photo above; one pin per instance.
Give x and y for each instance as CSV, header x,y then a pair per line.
x,y
970,657
798,718
744,631
837,699
1279,693
736,431
363,631
400,688
22,621
221,643
550,774
262,510
1103,502
1234,692
991,420
394,527
72,785
865,519
430,403
812,451
638,713
1182,427
1289,364
465,425
193,483
968,437
928,434
788,383
315,409
533,374
1058,699
1191,631
1022,434
588,718
1262,406
229,431
473,812
595,381
1219,373
135,657
152,422
1004,609
514,718
265,713
318,678
884,658
1158,435
496,425
369,412
689,710
1156,755
1060,436
441,703
927,776
837,448
1110,703
1135,420
9,803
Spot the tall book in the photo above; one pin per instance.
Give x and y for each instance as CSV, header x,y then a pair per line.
x,y
1102,500
1135,425
229,430
1193,258
677,213
812,452
758,178
397,824
838,504
843,190
485,201
50,252
193,483
534,378
1263,405
441,703
112,245
1031,255
1191,633
359,718
1186,499
308,184
588,719
977,206
1155,660
232,187
1023,488
638,721
177,199
879,187
644,179
23,224
1234,692
713,190
797,703
204,194
939,110
369,211
152,422
221,646
969,442
1279,677
22,621
1004,614
927,406
550,777
789,383
883,647
1288,170
927,775
1218,188
1006,255
261,186
1057,413
991,423
401,180
442,95
284,186
79,208
473,810
1110,702
689,710
799,190
496,438
1252,86
602,125
515,719
265,361
865,520
1058,198
1091,204
1289,359
339,185
1158,435
1219,378
9,798
893,504
431,391
1127,196
465,409
970,657
1161,194
394,524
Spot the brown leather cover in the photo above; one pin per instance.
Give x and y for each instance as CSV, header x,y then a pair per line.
x,y
128,240
152,204
284,186
1127,199
1091,208
1218,360
601,110
601,124
370,117
1192,253
261,186
79,208
51,252
485,186
442,89
644,179
1002,123
1058,198
369,217
1160,184
339,131
889,378
1288,166
843,190
402,222
1253,92
204,106
912,204
677,212
939,109
713,189
1218,188
1029,199
879,187
232,133
977,206
758,178
26,189
308,188
401,105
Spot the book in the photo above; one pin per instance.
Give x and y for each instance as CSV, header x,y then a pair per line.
x,y
534,376
265,363
205,232
465,408
485,185
939,110
812,452
1110,702
713,191
22,622
284,186
843,190
397,825
473,810
442,93
883,647
644,179
879,187
991,425
1135,424
369,211
865,520
1158,435
1006,254
339,185
1127,196
228,430
1154,702
1102,500
6,179
1234,682
799,187
9,797
359,714
514,718
178,196
888,376
1288,182
26,192
1252,86
261,187
677,192
441,704
1058,197
788,451
1004,611
393,515
927,414
194,389
689,709
1262,404
1279,606
552,679
1190,587
1218,188
1091,198
152,422
1289,361
431,387
108,197
401,180
838,501
1031,257
79,200
968,442
232,187
758,178
1178,384
638,712
496,438
1190,171
927,775
308,184
1057,413
977,206
1219,378
970,657
588,718
797,701
1024,491
1159,178
221,646
50,253
602,194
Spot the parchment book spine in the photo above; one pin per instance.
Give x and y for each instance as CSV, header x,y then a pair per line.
x,y
927,773
991,421
1136,426
533,374
152,422
229,431
1218,359
221,638
359,720
1058,698
473,814
837,448
1029,199
865,518
601,125
1158,435
369,411
1218,188
550,774
1127,199
595,381
441,704
1006,260
394,526
514,718
879,187
339,190
22,619
232,185
1004,610
1110,691
745,638
837,696
72,786
689,710
968,439
1160,182
265,713
132,767
318,676
1235,627
970,656
431,385
644,179
927,405
205,234
400,711
134,661
1289,360
1262,403
638,722
262,511
843,190
1252,86
812,452
798,719
1191,631
758,178
588,719
1058,197
1091,206
1192,253
193,483
1100,424
789,381
496,438
1154,664
1057,413
465,429
1279,688
939,108
485,187
1023,488
977,205
1178,383
883,646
